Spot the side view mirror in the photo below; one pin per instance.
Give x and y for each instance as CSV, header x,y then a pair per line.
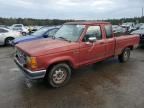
x,y
92,39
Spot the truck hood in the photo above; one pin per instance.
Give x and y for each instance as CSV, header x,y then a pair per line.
x,y
45,46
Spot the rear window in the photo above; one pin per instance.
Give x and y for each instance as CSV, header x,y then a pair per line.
x,y
108,30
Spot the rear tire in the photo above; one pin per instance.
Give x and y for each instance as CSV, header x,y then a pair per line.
x,y
124,57
23,33
59,75
8,41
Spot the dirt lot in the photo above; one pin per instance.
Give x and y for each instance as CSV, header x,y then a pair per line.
x,y
108,84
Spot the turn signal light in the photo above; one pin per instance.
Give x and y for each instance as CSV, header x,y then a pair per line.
x,y
32,63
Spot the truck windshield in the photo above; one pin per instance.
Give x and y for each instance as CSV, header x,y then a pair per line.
x,y
70,32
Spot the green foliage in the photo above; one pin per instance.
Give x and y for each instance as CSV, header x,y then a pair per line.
x,y
42,22
30,21
123,20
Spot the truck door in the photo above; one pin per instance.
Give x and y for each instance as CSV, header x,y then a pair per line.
x,y
90,52
110,41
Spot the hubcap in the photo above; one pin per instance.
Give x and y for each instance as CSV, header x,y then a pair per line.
x,y
59,75
9,41
126,55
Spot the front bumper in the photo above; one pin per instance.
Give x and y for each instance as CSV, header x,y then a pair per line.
x,y
31,74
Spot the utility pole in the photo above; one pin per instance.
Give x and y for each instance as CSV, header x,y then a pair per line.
x,y
142,12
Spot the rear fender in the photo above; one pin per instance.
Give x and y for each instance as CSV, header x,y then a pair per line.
x,y
130,47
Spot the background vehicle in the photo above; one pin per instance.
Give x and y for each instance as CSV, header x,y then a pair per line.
x,y
4,26
75,44
118,29
138,25
32,30
44,32
140,32
7,35
20,28
129,26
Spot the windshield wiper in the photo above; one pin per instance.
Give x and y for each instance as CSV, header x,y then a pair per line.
x,y
64,39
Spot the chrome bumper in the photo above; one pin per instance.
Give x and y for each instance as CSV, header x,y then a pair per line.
x,y
30,74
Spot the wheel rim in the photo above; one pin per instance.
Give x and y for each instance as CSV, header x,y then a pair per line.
x,y
23,34
126,55
8,42
59,75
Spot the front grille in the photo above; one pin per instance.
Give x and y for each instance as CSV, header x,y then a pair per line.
x,y
21,57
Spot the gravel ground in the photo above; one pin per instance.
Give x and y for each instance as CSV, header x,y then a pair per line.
x,y
108,84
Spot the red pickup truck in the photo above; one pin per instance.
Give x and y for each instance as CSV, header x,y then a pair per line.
x,y
75,44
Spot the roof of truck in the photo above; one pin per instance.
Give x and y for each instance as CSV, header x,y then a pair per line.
x,y
88,22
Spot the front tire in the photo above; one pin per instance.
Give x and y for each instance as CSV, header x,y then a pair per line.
x,y
124,57
59,75
8,41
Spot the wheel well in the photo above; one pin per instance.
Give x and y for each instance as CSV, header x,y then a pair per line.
x,y
131,47
23,32
9,38
55,63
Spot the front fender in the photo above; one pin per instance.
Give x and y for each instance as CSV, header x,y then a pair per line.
x,y
62,59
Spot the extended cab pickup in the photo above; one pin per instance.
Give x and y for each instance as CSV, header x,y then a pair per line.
x,y
75,44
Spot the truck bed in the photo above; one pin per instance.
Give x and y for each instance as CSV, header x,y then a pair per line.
x,y
124,41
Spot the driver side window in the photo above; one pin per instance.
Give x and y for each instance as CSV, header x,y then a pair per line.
x,y
93,31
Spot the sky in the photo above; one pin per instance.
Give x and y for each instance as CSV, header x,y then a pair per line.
x,y
71,9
